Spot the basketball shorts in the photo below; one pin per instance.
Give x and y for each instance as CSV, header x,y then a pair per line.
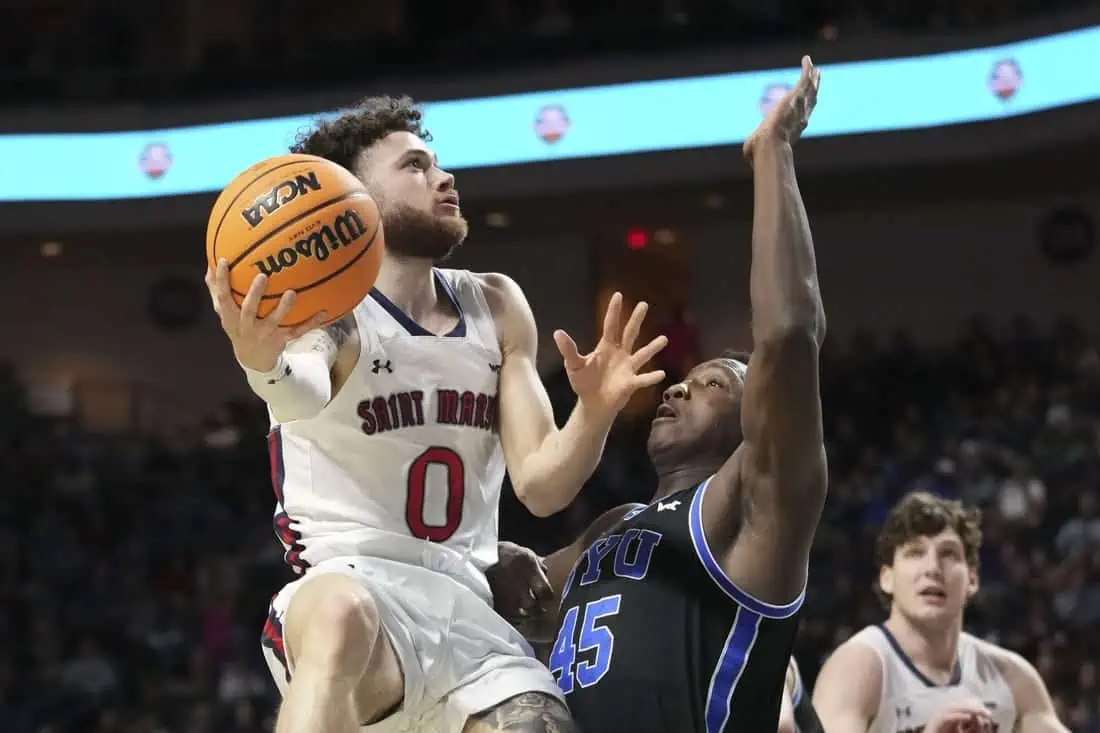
x,y
458,656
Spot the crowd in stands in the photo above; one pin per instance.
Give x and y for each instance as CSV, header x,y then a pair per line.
x,y
53,50
137,572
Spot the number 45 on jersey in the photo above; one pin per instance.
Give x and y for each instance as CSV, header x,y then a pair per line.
x,y
593,637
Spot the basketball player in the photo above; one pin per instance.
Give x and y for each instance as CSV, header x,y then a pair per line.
x,y
680,615
919,671
387,460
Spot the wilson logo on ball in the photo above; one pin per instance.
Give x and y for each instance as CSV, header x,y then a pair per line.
x,y
283,193
345,229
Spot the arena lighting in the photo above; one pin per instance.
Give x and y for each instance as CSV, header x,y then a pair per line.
x,y
497,220
866,96
637,239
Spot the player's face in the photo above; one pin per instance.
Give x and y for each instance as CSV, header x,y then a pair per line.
x,y
930,580
700,417
419,202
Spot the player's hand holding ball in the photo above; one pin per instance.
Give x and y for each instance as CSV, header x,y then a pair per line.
x,y
607,377
968,716
293,242
786,121
257,342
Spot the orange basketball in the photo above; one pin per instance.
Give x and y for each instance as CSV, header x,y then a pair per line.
x,y
306,223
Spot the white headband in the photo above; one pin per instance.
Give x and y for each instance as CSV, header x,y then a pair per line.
x,y
736,367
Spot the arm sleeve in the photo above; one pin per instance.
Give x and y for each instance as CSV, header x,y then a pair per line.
x,y
300,384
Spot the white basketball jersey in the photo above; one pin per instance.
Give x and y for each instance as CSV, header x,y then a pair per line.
x,y
910,700
405,462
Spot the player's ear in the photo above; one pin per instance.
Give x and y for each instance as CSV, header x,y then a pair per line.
x,y
972,583
886,580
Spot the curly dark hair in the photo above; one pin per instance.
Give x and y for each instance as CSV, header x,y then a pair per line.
x,y
342,140
921,514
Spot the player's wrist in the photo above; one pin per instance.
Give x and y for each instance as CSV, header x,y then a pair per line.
x,y
594,415
269,372
772,143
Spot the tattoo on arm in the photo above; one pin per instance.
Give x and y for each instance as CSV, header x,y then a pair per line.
x,y
340,331
530,712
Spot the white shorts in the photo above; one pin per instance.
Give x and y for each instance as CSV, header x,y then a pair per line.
x,y
458,656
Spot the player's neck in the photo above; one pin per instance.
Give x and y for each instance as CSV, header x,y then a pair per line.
x,y
409,284
671,480
935,649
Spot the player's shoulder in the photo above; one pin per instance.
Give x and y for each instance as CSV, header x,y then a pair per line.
x,y
871,636
501,291
864,644
859,655
986,648
510,311
1012,665
856,665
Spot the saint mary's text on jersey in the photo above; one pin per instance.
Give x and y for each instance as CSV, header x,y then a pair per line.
x,y
406,409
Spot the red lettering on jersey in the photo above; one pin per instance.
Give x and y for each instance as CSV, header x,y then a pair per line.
x,y
446,406
490,413
416,497
467,416
392,412
466,409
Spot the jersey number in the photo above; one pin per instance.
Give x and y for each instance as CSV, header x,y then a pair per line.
x,y
593,636
455,479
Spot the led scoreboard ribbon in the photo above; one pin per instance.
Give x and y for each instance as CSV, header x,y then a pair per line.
x,y
620,119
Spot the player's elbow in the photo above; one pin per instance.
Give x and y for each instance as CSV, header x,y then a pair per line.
x,y
791,340
542,480
539,490
537,500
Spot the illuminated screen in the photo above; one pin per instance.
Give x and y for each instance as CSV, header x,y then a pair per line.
x,y
620,119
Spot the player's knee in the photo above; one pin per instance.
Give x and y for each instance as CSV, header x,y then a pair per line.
x,y
335,627
529,712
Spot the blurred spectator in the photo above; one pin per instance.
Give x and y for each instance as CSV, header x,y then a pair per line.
x,y
682,352
1080,534
109,49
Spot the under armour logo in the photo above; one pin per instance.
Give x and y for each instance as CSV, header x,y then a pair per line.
x,y
379,366
286,373
904,712
494,368
990,705
670,506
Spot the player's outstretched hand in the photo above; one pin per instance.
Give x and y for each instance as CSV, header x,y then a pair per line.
x,y
257,342
967,716
605,378
790,115
521,592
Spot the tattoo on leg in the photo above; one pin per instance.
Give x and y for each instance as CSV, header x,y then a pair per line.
x,y
530,712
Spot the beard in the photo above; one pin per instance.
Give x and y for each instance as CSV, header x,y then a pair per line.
x,y
411,232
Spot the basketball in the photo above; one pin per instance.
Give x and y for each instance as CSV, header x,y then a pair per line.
x,y
306,223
